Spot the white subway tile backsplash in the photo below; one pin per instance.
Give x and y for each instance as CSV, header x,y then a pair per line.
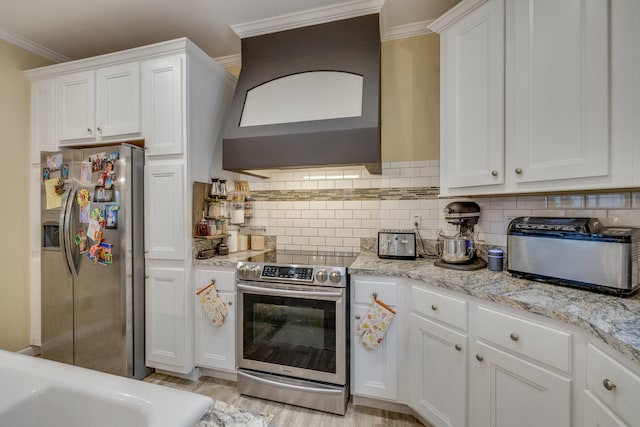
x,y
340,224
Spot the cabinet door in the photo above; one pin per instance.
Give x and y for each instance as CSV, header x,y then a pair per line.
x,y
557,89
163,105
375,371
507,391
165,229
216,346
596,414
472,98
165,317
118,100
42,128
76,106
438,369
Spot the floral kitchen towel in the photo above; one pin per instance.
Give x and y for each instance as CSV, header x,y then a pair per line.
x,y
375,324
213,306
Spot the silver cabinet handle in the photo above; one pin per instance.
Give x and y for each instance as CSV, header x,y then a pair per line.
x,y
89,131
608,384
434,307
479,357
518,171
99,129
514,336
458,347
494,172
357,317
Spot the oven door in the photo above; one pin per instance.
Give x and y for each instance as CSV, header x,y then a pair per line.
x,y
293,330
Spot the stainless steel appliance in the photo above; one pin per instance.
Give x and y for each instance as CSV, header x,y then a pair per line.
x,y
458,251
397,244
292,346
92,261
575,252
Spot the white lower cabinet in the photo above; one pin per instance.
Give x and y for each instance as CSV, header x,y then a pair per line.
x,y
216,346
507,391
438,374
612,391
166,318
374,373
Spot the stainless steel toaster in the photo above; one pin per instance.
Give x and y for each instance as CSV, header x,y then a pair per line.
x,y
575,252
397,244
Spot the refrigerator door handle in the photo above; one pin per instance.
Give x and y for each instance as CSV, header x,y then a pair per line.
x,y
67,233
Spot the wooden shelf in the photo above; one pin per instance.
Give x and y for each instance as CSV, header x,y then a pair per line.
x,y
217,236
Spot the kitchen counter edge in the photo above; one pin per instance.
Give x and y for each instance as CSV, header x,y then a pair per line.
x,y
615,320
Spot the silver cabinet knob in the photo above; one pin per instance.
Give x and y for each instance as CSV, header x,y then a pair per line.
x,y
608,384
458,347
514,336
479,357
99,129
357,317
494,172
518,171
89,131
434,307
229,302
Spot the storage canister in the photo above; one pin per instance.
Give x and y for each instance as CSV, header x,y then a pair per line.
x,y
495,259
257,238
232,240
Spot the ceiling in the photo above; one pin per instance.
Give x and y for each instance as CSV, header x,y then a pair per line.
x,y
64,30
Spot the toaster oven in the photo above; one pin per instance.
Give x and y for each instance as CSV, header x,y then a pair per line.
x,y
575,252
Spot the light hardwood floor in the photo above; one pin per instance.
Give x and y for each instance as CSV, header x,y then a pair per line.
x,y
287,415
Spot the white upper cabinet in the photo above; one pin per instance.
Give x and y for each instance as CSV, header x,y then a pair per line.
x,y
472,97
163,107
537,95
557,83
100,105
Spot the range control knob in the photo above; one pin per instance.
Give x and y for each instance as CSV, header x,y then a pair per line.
x,y
243,271
255,272
321,276
335,277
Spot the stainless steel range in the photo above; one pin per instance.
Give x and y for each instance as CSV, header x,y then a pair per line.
x,y
293,311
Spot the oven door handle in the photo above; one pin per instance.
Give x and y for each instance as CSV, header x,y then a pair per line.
x,y
289,292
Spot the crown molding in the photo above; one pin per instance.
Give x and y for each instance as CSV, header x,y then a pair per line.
x,y
31,46
406,30
306,18
454,14
229,60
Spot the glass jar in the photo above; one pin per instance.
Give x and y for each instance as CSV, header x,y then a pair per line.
x,y
236,206
258,238
215,188
222,190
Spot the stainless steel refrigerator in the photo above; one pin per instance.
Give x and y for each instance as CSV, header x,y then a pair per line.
x,y
92,258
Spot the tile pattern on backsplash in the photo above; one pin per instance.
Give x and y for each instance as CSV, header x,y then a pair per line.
x,y
334,208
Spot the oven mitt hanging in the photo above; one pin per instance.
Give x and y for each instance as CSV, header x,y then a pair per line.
x,y
213,306
375,324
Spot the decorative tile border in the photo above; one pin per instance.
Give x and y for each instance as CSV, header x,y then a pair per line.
x,y
409,193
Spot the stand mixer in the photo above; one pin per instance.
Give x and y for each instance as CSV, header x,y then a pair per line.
x,y
458,252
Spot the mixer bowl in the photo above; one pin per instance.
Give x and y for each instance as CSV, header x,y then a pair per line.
x,y
455,249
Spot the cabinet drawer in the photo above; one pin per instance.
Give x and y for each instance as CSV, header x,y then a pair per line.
x,y
624,384
439,307
387,292
542,343
225,280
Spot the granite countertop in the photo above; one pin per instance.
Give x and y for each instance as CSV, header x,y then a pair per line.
x,y
615,320
228,260
222,414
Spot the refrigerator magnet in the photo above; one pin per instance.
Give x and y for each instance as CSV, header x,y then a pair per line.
x,y
54,161
80,240
46,174
85,173
64,168
93,230
111,212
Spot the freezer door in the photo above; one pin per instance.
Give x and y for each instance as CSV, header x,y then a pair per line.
x,y
56,278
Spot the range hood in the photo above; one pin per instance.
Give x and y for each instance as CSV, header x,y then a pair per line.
x,y
307,97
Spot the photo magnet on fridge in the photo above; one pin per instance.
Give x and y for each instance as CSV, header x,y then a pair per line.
x,y
64,174
111,212
46,174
